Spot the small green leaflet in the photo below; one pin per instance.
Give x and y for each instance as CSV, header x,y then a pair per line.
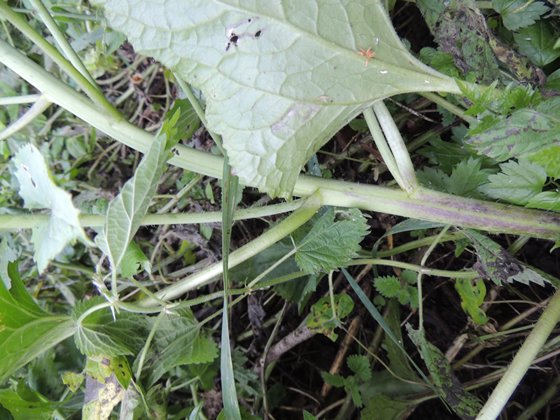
x,y
465,405
498,265
517,183
362,372
519,13
529,134
40,192
251,59
332,241
392,287
26,330
464,180
536,42
134,261
177,341
126,211
100,334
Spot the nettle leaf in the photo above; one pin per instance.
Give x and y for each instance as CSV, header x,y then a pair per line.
x,y
517,183
126,211
280,78
519,13
498,265
177,341
99,334
40,192
537,43
360,366
26,330
332,240
530,134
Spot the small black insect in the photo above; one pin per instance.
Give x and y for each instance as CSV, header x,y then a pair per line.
x,y
258,33
233,38
175,151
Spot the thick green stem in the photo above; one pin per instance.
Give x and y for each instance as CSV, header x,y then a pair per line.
x,y
522,360
421,204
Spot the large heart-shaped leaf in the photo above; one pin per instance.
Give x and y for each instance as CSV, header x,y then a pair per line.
x,y
280,77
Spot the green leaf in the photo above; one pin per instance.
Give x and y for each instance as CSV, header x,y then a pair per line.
x,y
466,177
24,409
460,29
40,192
126,211
388,286
252,59
7,255
134,261
439,60
308,416
177,341
323,320
519,13
517,183
334,380
472,297
536,42
464,180
444,380
100,334
26,330
548,200
103,391
331,242
382,407
230,190
528,134
360,366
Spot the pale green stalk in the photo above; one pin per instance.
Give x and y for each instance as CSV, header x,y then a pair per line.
x,y
522,360
445,104
19,100
382,146
397,145
417,268
28,221
36,109
61,39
